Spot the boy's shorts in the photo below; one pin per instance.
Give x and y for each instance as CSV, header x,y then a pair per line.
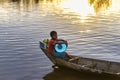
x,y
60,55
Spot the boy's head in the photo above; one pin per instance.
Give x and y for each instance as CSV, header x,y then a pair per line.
x,y
53,34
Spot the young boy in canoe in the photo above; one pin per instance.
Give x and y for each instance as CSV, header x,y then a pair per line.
x,y
53,41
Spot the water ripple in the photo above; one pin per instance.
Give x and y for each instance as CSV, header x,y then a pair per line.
x,y
21,30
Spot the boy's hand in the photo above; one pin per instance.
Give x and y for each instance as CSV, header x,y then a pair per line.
x,y
63,42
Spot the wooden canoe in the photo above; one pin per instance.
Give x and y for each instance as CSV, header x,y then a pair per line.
x,y
84,64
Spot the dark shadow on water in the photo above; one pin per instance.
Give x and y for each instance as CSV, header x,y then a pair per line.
x,y
68,74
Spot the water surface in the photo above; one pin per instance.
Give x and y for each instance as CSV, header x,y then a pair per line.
x,y
92,30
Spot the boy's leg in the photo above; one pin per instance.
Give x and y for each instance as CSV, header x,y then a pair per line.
x,y
63,55
60,55
69,57
56,54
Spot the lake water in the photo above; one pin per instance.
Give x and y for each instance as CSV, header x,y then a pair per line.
x,y
91,27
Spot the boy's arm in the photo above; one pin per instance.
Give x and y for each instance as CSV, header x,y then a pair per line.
x,y
62,42
66,43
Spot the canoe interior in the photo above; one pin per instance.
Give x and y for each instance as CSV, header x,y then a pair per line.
x,y
87,64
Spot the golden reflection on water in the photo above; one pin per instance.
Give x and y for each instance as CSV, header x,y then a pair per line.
x,y
99,5
81,8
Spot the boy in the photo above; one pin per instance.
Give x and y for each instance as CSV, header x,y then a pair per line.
x,y
51,45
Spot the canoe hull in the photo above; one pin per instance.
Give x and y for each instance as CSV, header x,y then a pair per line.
x,y
85,64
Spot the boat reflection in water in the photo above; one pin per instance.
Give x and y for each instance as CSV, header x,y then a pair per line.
x,y
68,74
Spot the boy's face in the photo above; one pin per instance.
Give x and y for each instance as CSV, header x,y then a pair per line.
x,y
54,36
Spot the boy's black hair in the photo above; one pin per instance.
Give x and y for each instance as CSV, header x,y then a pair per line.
x,y
52,33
